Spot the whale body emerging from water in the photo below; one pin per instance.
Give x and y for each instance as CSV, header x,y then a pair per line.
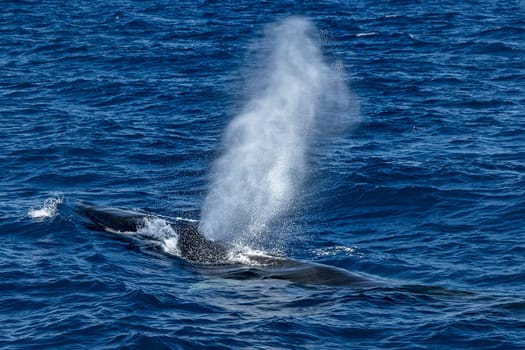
x,y
214,258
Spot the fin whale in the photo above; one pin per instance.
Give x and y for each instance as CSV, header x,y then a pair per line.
x,y
213,258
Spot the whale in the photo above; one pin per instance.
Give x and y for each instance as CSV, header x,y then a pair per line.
x,y
214,257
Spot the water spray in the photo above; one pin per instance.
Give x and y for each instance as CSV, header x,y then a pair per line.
x,y
295,96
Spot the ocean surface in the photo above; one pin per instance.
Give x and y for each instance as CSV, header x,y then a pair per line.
x,y
125,103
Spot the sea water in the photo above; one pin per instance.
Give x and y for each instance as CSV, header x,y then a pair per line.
x,y
130,104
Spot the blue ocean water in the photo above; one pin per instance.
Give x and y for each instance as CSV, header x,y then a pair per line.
x,y
123,104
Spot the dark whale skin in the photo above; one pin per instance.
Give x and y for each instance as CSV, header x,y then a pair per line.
x,y
213,258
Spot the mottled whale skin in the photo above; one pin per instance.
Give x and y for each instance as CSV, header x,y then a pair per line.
x,y
210,257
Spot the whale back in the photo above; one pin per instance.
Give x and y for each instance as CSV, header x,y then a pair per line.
x,y
213,258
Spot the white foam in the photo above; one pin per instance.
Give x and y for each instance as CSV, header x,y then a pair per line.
x,y
170,246
48,210
248,256
160,230
336,250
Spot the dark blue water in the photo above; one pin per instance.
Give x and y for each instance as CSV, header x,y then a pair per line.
x,y
123,103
